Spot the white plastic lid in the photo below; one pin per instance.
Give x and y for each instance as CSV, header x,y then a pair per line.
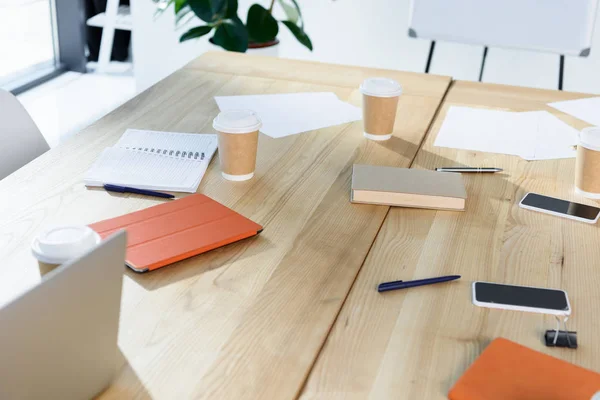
x,y
590,138
381,87
63,243
237,121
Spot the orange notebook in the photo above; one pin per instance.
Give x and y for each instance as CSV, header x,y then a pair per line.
x,y
175,230
508,371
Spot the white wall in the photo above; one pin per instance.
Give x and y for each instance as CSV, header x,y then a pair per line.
x,y
155,44
369,33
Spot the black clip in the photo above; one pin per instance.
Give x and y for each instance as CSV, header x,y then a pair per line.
x,y
564,339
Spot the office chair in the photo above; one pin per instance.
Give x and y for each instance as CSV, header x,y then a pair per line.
x,y
21,140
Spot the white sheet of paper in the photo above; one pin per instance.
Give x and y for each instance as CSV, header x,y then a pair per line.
x,y
291,113
555,138
486,130
535,135
587,110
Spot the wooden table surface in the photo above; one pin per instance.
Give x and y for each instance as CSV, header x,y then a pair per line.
x,y
247,320
414,344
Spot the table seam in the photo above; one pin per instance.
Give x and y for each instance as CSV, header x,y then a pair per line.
x,y
331,327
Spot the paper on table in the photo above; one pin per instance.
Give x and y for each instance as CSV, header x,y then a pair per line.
x,y
485,130
587,110
555,138
535,135
288,114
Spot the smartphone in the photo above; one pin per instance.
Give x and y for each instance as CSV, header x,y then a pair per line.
x,y
560,208
521,298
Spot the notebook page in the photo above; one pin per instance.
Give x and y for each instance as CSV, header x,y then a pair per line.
x,y
126,167
170,143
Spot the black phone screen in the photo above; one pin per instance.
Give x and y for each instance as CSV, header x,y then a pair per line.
x,y
561,206
521,296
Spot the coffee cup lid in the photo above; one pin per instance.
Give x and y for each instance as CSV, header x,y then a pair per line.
x,y
62,243
381,87
590,138
237,121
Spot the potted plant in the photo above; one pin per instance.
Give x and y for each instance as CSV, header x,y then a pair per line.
x,y
229,32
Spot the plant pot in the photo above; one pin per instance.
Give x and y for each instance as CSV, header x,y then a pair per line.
x,y
264,49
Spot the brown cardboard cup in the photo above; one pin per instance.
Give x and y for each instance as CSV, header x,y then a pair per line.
x,y
380,103
56,246
587,167
238,143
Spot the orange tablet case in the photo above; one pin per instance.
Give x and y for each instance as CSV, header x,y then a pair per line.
x,y
175,230
508,371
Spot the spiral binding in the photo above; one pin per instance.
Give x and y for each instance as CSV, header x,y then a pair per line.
x,y
174,153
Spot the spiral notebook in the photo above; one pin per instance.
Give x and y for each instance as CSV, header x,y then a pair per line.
x,y
154,160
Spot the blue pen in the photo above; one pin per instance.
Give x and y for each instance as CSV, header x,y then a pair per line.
x,y
126,189
384,287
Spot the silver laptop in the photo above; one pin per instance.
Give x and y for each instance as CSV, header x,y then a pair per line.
x,y
59,339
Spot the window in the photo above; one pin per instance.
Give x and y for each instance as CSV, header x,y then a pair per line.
x,y
27,41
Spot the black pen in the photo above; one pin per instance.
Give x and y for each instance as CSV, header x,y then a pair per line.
x,y
126,189
468,169
395,285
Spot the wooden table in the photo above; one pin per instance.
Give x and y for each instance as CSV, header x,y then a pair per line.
x,y
247,320
414,344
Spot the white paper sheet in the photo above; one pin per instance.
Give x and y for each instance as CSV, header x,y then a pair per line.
x,y
288,114
535,135
587,110
555,138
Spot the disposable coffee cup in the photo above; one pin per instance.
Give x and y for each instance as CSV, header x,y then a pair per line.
x,y
380,102
238,143
587,167
56,246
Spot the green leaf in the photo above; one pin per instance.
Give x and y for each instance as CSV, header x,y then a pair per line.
x,y
262,27
179,4
196,32
231,35
292,12
299,34
208,10
232,8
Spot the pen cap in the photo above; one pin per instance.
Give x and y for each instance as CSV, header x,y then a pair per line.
x,y
237,121
381,87
59,244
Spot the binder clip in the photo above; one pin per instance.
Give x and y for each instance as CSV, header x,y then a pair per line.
x,y
558,338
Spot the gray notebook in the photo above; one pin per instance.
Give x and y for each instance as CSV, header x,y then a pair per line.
x,y
407,187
